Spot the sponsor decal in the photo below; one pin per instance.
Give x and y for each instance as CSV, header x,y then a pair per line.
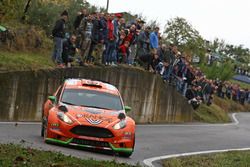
x,y
94,119
54,125
94,111
54,128
94,122
127,135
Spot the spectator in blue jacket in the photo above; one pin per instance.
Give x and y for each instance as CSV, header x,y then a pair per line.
x,y
154,41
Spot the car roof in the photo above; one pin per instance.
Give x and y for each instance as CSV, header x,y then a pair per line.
x,y
88,84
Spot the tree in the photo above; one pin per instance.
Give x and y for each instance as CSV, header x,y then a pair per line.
x,y
180,32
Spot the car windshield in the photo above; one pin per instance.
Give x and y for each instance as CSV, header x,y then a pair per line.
x,y
91,98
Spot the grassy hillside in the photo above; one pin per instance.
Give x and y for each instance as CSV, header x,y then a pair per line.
x,y
218,111
10,61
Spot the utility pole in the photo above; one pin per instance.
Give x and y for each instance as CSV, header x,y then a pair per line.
x,y
107,8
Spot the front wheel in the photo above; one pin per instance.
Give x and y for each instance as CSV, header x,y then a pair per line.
x,y
42,129
127,154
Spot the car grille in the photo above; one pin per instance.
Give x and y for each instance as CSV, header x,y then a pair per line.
x,y
92,131
90,143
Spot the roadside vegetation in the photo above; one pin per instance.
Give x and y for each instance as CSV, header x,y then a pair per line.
x,y
15,155
219,110
242,84
13,61
228,159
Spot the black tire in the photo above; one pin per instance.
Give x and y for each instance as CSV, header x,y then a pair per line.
x,y
125,154
42,130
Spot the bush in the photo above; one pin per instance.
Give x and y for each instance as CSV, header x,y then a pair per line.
x,y
45,14
223,71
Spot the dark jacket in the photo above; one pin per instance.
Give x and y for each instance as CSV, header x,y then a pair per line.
x,y
170,57
96,31
59,29
69,50
190,94
143,44
190,77
78,20
104,30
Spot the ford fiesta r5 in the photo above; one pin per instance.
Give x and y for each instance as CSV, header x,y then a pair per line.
x,y
88,114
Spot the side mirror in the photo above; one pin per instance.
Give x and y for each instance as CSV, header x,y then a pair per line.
x,y
52,99
127,109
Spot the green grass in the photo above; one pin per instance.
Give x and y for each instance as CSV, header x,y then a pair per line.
x,y
10,61
228,159
229,105
242,84
15,155
211,114
218,111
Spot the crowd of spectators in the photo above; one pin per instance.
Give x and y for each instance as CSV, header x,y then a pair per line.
x,y
121,41
242,71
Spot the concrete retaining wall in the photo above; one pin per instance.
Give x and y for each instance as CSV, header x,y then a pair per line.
x,y
22,94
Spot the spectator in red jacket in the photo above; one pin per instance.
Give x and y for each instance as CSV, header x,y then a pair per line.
x,y
111,41
123,52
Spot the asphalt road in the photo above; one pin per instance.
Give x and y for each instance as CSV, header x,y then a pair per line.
x,y
151,140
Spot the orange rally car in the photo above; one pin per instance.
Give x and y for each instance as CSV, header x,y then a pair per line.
x,y
88,114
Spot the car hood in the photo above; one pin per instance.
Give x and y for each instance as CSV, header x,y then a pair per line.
x,y
93,116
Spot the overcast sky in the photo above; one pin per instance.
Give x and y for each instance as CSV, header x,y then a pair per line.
x,y
225,19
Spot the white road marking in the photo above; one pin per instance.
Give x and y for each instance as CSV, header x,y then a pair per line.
x,y
149,162
234,122
20,123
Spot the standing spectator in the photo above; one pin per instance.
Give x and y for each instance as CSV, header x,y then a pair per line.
x,y
117,23
95,37
242,96
82,14
207,91
104,23
154,42
248,96
162,51
87,40
143,46
172,54
58,33
131,38
209,57
111,41
223,90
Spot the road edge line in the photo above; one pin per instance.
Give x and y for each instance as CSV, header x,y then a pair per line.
x,y
149,162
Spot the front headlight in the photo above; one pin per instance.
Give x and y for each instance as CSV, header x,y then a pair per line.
x,y
120,125
63,117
